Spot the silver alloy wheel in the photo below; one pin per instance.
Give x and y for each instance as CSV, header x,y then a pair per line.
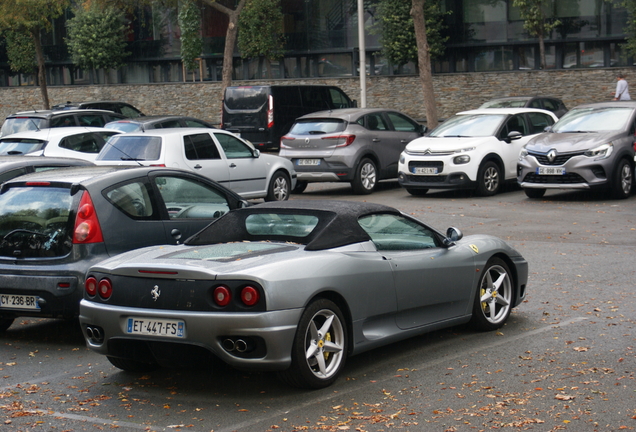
x,y
281,188
368,176
495,294
324,343
491,179
626,178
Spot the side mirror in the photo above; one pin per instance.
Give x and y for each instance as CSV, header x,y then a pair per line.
x,y
547,129
256,153
452,235
512,136
423,129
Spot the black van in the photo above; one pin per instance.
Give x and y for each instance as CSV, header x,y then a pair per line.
x,y
263,114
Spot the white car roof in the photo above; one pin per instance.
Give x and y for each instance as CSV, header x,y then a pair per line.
x,y
512,111
57,132
173,131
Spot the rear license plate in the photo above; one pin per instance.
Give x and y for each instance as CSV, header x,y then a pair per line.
x,y
155,327
10,301
550,171
308,162
425,170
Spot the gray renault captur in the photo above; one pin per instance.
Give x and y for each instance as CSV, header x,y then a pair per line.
x,y
56,224
590,147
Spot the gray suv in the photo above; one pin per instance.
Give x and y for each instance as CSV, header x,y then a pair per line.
x,y
590,147
357,145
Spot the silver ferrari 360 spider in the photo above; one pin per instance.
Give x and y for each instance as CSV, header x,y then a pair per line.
x,y
296,287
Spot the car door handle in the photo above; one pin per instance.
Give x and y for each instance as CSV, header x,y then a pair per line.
x,y
405,141
197,166
376,140
232,165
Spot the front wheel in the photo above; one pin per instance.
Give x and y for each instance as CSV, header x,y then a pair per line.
x,y
279,187
534,193
320,347
366,177
623,180
131,365
488,179
493,300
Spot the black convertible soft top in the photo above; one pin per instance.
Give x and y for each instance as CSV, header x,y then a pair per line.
x,y
337,223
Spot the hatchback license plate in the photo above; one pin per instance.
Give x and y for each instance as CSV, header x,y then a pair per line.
x,y
155,327
550,171
308,162
425,170
11,301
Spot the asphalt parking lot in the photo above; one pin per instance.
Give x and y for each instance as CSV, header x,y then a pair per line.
x,y
564,361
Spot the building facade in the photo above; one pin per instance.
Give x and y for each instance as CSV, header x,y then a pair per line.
x,y
322,41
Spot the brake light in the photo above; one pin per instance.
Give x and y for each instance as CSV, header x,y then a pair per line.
x,y
158,165
348,139
222,295
105,288
87,228
91,286
38,183
270,111
249,296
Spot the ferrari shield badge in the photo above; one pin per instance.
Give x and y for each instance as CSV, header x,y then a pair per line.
x,y
474,248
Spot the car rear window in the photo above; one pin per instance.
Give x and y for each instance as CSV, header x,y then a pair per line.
x,y
18,146
122,147
245,98
21,124
291,225
34,222
318,126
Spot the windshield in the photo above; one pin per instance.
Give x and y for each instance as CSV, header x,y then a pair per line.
x,y
593,120
475,125
20,146
134,148
21,124
34,222
123,126
318,126
245,98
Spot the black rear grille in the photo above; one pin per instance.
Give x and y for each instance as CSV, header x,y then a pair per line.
x,y
570,178
560,159
427,179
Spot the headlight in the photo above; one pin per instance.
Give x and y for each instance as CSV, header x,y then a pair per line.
x,y
465,150
601,152
402,158
523,153
460,160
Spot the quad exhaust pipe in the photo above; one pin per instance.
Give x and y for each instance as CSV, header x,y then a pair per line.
x,y
95,335
238,345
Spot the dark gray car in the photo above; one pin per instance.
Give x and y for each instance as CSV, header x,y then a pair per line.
x,y
157,122
357,145
36,120
548,103
54,225
591,147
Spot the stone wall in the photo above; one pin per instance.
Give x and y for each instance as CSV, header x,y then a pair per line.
x,y
454,92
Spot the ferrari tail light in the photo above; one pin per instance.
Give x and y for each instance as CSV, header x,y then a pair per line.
x,y
105,288
91,286
87,228
343,140
270,112
249,296
222,295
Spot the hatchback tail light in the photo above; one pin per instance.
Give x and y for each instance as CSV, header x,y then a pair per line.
x,y
87,228
343,140
91,286
270,112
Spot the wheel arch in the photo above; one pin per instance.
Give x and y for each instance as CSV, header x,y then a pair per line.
x,y
493,157
513,271
340,301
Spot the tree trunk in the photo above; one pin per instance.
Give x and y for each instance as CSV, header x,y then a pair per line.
x,y
424,63
230,39
39,55
542,51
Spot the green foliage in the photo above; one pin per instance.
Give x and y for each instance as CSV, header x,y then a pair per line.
x,y
21,51
190,24
398,33
261,30
26,15
535,15
96,37
630,29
